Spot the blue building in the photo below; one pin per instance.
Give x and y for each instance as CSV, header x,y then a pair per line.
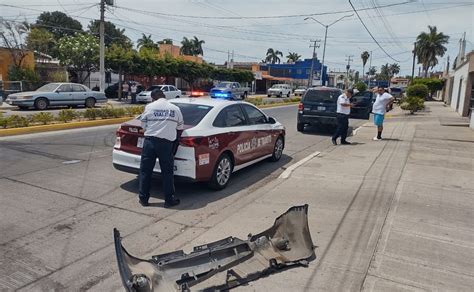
x,y
299,70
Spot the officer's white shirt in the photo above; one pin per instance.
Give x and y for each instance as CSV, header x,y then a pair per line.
x,y
343,99
380,104
161,119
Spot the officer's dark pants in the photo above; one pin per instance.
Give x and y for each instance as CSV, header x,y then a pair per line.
x,y
163,150
342,127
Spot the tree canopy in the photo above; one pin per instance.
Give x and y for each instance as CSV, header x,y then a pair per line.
x,y
112,34
429,46
59,24
41,40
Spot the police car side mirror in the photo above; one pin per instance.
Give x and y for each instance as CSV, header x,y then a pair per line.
x,y
271,120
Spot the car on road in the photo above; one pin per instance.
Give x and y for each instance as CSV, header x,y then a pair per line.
x,y
300,90
112,90
170,92
318,107
229,90
362,104
220,137
279,90
56,94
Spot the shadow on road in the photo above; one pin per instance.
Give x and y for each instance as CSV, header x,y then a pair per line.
x,y
198,195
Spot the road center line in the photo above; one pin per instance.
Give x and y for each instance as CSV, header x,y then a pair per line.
x,y
286,174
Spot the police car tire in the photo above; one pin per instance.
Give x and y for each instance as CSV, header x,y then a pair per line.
x,y
214,183
277,153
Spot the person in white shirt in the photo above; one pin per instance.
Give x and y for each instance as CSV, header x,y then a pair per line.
x,y
379,108
342,115
133,90
161,122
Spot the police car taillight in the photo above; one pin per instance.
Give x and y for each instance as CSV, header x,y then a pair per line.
x,y
300,107
190,141
118,142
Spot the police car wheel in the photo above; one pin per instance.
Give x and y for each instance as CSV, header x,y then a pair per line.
x,y
277,149
222,172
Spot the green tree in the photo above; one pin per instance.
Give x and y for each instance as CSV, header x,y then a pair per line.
x,y
197,46
59,24
80,53
384,72
360,86
394,69
146,42
432,84
293,57
364,56
272,56
372,71
166,42
112,34
192,71
187,47
429,46
119,59
41,40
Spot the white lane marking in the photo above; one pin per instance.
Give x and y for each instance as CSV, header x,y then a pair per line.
x,y
71,162
286,174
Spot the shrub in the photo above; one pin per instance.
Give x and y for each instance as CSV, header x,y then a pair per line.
x,y
413,104
295,99
16,121
91,114
66,115
418,90
256,101
432,84
3,122
43,118
118,112
106,112
360,86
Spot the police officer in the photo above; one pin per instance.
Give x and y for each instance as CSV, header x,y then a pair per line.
x,y
342,114
160,121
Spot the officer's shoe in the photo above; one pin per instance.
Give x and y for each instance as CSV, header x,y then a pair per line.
x,y
143,203
172,202
345,143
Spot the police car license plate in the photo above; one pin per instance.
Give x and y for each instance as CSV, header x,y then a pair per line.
x,y
140,142
321,108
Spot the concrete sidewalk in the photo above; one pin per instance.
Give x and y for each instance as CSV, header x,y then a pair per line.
x,y
391,215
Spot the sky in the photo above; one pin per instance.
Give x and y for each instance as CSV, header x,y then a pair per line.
x,y
249,28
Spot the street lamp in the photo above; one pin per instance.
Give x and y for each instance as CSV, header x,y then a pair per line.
x,y
325,38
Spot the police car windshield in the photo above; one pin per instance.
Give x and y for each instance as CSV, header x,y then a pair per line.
x,y
193,113
322,95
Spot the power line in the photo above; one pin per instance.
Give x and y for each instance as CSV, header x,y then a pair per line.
x,y
371,33
260,17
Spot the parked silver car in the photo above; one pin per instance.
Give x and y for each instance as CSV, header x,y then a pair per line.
x,y
55,94
169,90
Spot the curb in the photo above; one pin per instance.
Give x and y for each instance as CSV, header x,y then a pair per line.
x,y
87,124
57,127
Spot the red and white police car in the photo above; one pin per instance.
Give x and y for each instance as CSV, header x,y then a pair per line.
x,y
220,137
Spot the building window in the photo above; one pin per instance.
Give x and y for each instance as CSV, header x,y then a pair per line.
x,y
308,71
299,71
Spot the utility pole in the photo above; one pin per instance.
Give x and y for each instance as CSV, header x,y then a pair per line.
x,y
413,66
102,47
314,46
348,66
228,59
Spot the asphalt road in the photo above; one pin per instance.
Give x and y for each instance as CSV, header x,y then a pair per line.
x,y
61,197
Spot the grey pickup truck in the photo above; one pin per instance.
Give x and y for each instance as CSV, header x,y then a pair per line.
x,y
229,90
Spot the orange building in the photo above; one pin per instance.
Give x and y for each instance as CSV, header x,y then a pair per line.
x,y
174,51
6,61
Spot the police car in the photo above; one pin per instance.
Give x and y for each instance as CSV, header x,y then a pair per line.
x,y
220,137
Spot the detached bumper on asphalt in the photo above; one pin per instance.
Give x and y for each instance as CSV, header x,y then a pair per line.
x,y
183,167
224,264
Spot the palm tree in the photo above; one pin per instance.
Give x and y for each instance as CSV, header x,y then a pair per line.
x,y
146,42
293,57
197,46
166,42
394,69
272,56
341,77
372,71
430,46
187,47
364,56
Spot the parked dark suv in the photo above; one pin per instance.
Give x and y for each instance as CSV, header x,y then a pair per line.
x,y
362,105
318,107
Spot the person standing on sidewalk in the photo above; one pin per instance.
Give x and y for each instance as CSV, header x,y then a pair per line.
x,y
125,88
379,108
133,90
342,115
161,121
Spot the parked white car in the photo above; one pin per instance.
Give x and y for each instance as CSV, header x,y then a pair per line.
x,y
279,90
170,92
300,90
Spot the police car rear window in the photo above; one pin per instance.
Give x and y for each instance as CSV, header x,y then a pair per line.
x,y
321,95
193,113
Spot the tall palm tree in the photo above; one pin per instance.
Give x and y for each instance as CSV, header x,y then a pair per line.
x,y
197,46
430,46
272,56
394,69
364,56
293,57
146,42
187,47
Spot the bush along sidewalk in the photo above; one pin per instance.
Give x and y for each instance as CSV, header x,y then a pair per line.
x,y
415,99
68,115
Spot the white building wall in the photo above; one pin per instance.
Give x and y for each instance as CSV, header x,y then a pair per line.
x,y
458,97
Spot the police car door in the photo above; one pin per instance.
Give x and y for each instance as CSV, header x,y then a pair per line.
x,y
260,131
